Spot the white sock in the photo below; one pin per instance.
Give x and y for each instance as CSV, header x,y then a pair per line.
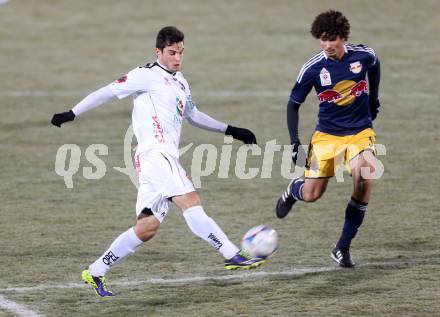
x,y
205,228
122,246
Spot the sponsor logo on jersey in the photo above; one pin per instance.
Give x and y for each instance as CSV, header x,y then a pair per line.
x,y
179,106
158,130
359,88
325,78
344,92
330,95
122,79
356,67
137,164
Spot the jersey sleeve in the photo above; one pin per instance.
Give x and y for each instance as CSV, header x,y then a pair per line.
x,y
302,87
190,107
371,54
202,120
135,81
374,56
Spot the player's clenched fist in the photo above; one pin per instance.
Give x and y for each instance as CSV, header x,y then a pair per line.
x,y
297,152
374,108
245,135
59,118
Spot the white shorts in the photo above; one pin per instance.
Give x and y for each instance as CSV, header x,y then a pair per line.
x,y
160,177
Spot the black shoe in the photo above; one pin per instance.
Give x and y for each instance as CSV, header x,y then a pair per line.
x,y
342,257
285,203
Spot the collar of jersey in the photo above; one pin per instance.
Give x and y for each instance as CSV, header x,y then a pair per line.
x,y
345,49
164,68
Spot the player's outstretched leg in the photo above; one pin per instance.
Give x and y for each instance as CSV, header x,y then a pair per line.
x,y
243,261
207,229
97,283
124,245
290,196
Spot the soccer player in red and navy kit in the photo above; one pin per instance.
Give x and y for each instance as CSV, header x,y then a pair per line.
x,y
344,131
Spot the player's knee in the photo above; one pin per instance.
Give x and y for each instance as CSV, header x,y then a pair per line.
x,y
187,200
146,226
312,195
145,233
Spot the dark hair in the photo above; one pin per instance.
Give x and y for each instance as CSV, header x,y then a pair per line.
x,y
330,24
167,36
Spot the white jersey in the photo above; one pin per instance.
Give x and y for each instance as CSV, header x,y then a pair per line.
x,y
161,100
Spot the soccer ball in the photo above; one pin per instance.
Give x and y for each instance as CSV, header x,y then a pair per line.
x,y
260,241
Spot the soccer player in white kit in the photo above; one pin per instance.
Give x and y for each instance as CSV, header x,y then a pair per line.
x,y
162,99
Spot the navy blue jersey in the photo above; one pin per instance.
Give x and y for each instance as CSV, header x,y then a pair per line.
x,y
341,88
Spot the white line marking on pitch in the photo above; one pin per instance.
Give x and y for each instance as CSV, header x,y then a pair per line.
x,y
16,308
179,280
22,311
230,277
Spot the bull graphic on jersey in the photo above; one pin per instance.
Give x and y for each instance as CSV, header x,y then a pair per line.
x,y
344,92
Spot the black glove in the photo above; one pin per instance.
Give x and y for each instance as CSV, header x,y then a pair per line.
x,y
241,134
298,152
374,108
59,118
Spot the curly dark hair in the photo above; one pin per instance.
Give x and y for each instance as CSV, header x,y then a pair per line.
x,y
168,36
330,24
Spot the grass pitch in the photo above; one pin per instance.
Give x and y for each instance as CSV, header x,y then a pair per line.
x,y
242,58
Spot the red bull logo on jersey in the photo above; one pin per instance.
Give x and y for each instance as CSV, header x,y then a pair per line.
x,y
330,95
344,92
356,67
359,88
